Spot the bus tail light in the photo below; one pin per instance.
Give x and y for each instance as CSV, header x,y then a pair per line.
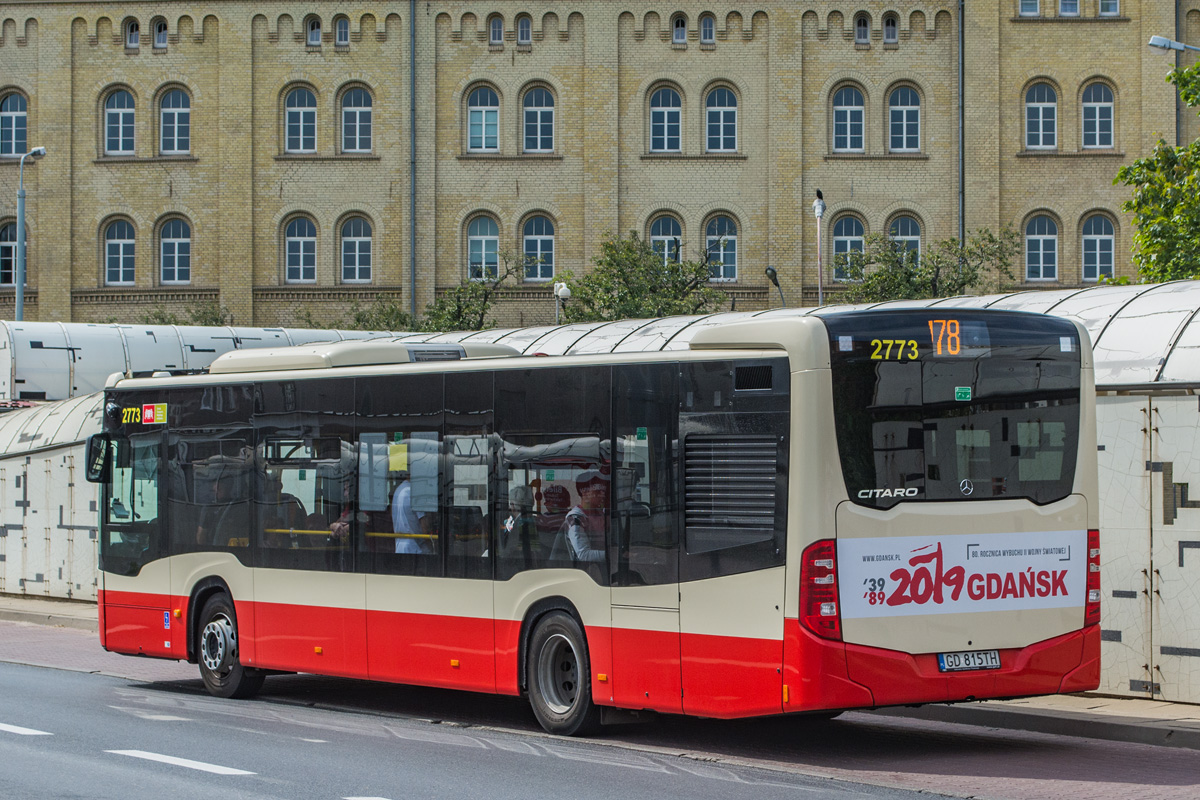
x,y
819,590
1091,614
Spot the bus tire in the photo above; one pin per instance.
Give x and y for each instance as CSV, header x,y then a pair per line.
x,y
217,652
558,671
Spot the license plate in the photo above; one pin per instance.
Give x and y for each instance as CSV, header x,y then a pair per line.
x,y
968,659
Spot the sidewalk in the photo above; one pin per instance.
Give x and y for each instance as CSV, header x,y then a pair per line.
x,y
1116,719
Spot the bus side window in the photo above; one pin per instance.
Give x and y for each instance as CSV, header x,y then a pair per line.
x,y
133,532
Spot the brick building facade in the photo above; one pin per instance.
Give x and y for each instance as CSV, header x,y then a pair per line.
x,y
262,155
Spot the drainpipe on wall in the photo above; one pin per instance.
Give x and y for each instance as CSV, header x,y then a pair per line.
x,y
412,157
962,156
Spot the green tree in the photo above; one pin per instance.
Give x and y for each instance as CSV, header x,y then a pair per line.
x,y
208,313
630,281
885,271
1166,199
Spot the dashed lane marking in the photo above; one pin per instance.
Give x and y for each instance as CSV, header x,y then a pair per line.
x,y
216,769
22,731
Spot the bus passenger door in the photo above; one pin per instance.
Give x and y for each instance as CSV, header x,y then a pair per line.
x,y
643,541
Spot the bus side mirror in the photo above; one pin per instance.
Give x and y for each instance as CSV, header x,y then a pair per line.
x,y
97,458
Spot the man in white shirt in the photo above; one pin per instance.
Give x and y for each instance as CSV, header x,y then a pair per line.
x,y
407,521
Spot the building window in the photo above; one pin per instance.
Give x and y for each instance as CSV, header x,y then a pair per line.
x,y
665,110
356,251
891,30
665,238
905,110
539,249
8,254
118,123
160,34
848,120
175,123
1110,8
524,31
905,234
1097,116
356,121
1041,249
496,30
1041,117
721,109
301,251
341,28
679,30
118,254
175,252
720,248
862,29
14,121
133,34
708,29
483,115
313,26
848,235
1068,8
301,121
539,121
1029,8
483,249
1098,241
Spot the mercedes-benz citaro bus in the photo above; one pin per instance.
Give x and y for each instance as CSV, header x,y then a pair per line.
x,y
794,515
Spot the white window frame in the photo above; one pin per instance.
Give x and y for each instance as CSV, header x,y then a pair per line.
x,y
160,34
8,253
1098,248
668,245
891,30
905,116
124,120
354,120
357,252
120,257
483,250
722,118
906,240
487,120
174,118
133,34
305,118
1040,109
538,247
1093,114
708,29
300,261
14,126
341,32
312,35
1030,8
862,29
844,243
1110,8
679,30
179,250
668,120
853,117
525,31
496,30
1068,8
721,251
1044,243
537,117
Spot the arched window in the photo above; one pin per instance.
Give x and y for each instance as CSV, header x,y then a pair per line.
x,y
862,29
301,121
356,121
539,249
496,30
175,252
8,254
175,123
341,32
708,29
1097,116
356,251
1098,238
1041,249
483,249
679,30
300,255
891,30
848,233
1041,117
848,120
14,121
133,34
665,111
721,109
313,26
905,233
119,251
904,108
483,120
720,248
118,123
539,121
665,238
524,30
160,34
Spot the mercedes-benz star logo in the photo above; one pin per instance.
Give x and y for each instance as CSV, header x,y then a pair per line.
x,y
967,487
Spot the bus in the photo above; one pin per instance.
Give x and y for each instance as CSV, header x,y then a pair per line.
x,y
796,515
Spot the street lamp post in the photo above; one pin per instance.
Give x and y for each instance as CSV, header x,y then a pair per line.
x,y
1163,43
773,277
819,212
562,293
19,311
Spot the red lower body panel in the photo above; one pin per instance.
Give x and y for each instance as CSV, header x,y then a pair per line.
x,y
137,624
452,652
727,677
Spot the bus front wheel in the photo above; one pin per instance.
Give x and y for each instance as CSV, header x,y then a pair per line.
x,y
223,673
559,677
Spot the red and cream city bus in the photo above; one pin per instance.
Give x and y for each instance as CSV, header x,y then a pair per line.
x,y
807,514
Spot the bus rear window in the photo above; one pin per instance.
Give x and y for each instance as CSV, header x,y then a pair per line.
x,y
959,406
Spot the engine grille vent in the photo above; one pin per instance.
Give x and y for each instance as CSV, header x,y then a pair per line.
x,y
729,482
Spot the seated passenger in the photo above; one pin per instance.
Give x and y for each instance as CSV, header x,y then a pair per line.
x,y
586,523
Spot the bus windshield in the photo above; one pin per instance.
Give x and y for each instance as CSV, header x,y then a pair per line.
x,y
955,405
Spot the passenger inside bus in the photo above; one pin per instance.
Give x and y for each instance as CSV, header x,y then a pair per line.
x,y
413,529
517,543
585,524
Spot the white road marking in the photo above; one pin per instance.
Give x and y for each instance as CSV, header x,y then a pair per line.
x,y
140,714
216,769
316,741
22,731
364,798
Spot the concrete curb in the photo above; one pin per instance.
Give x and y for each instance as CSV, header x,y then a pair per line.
x,y
1135,730
57,620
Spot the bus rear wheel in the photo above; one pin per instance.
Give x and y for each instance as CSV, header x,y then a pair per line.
x,y
217,652
559,676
